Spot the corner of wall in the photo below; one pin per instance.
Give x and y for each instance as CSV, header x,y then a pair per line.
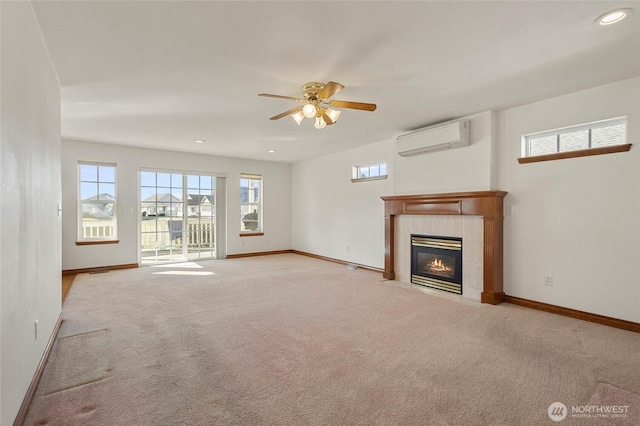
x,y
494,165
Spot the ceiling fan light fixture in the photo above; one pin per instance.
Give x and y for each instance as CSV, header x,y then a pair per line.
x,y
309,110
333,114
315,104
298,117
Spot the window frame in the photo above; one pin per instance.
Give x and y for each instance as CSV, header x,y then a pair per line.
x,y
563,154
110,239
257,204
357,171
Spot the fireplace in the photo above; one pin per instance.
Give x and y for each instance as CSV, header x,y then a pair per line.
x,y
436,262
487,204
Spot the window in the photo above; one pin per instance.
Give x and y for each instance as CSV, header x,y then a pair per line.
x,y
370,172
250,204
97,202
586,139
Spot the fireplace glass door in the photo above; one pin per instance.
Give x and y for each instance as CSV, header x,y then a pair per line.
x,y
436,262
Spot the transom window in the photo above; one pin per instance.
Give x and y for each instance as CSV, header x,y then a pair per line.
x,y
597,134
250,204
96,202
369,172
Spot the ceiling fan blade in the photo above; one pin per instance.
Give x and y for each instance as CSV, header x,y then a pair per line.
x,y
280,97
353,105
284,114
329,90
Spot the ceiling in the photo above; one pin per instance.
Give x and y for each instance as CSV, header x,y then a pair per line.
x,y
162,74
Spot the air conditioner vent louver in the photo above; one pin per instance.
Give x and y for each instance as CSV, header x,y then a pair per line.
x,y
453,134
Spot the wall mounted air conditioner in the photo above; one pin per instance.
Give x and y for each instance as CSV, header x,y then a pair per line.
x,y
453,134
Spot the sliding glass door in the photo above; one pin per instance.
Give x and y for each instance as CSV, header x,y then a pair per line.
x,y
177,217
200,220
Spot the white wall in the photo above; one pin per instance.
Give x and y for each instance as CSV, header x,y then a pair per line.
x,y
336,218
331,213
577,220
30,268
463,169
276,207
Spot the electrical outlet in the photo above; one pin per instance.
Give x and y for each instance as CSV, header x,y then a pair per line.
x,y
548,280
35,329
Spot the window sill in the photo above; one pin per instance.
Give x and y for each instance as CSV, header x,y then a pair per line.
x,y
252,234
96,242
576,154
368,179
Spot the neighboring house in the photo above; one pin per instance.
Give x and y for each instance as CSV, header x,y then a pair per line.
x,y
100,209
168,205
161,205
199,205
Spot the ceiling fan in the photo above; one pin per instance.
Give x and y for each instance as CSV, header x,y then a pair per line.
x,y
315,97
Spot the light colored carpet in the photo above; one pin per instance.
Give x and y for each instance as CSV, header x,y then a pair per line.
x,y
290,340
81,359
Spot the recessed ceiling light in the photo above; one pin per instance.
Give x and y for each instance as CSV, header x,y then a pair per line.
x,y
613,16
272,151
198,141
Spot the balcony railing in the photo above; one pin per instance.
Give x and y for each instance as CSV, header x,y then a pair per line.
x,y
157,234
97,229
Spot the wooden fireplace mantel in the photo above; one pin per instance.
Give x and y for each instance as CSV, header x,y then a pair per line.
x,y
488,204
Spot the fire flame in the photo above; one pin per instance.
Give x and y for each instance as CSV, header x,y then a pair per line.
x,y
438,266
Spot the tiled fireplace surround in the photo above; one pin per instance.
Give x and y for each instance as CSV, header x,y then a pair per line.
x,y
476,217
469,228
